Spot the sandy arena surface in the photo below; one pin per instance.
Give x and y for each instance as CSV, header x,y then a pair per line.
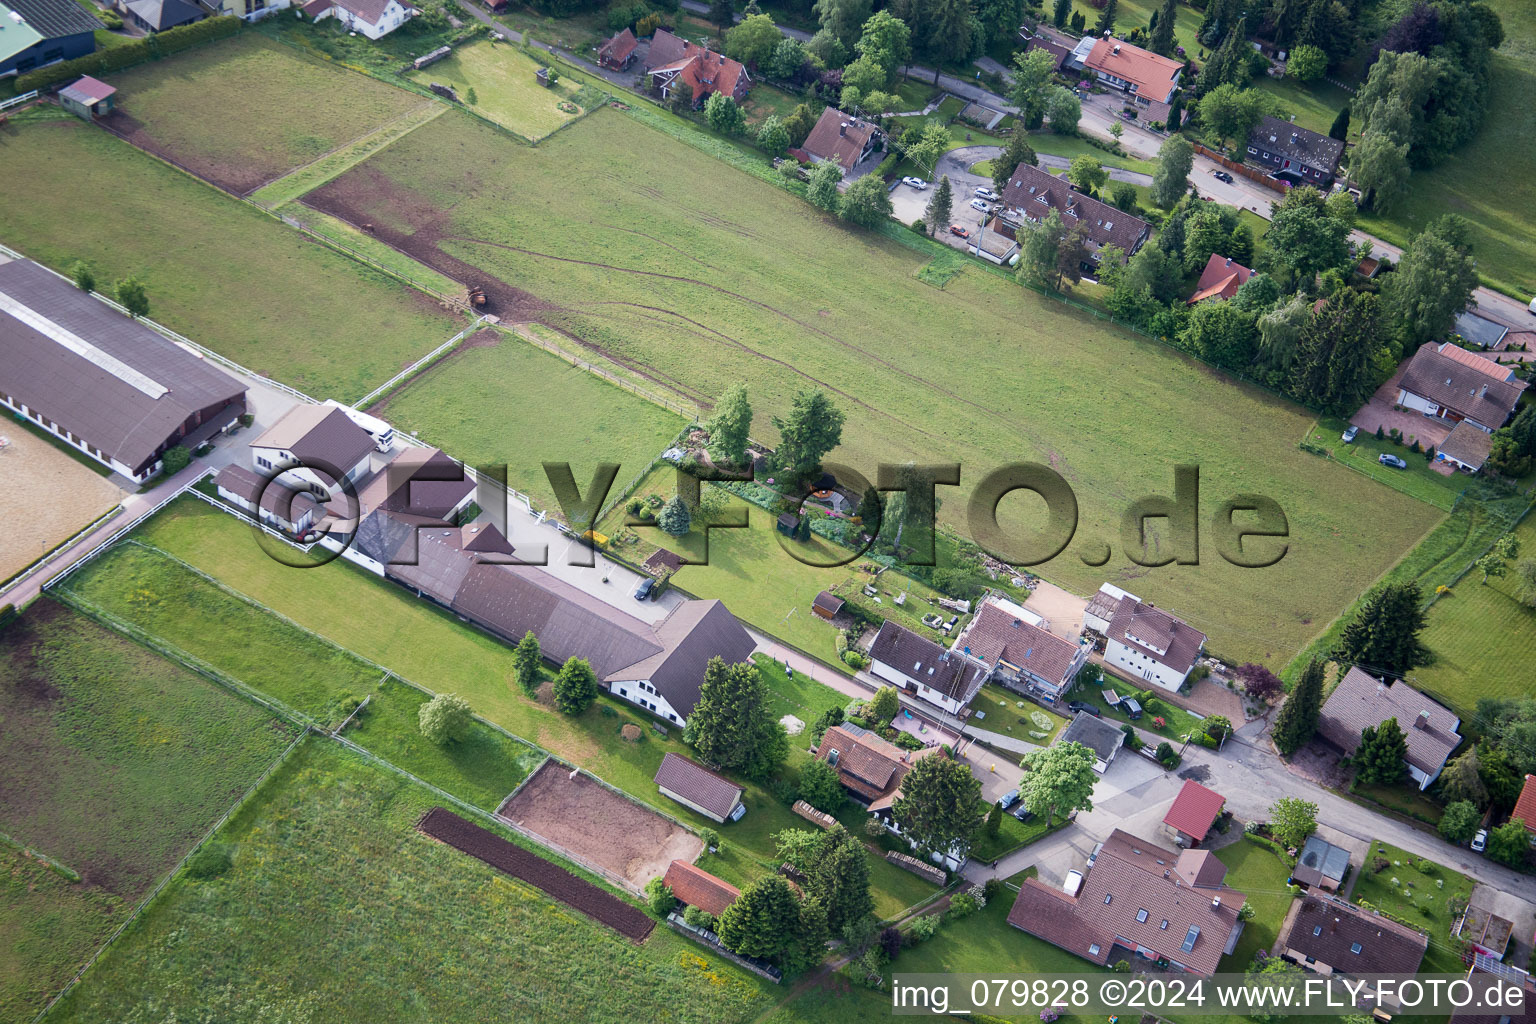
x,y
45,497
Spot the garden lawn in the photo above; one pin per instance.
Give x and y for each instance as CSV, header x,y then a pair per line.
x,y
1363,454
506,91
764,577
482,402
337,909
1314,104
1482,181
115,761
224,274
1012,834
1417,898
1259,874
798,695
708,277
1003,714
1405,798
1482,637
1071,146
425,645
1178,722
245,110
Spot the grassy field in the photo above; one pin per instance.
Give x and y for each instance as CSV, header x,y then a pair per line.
x,y
500,388
505,88
708,278
1479,181
224,274
1416,897
336,909
245,110
115,762
1481,637
766,579
1259,874
418,642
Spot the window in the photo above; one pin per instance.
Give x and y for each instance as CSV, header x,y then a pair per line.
x,y
1093,950
1141,915
1317,929
1355,947
671,716
1164,925
1107,897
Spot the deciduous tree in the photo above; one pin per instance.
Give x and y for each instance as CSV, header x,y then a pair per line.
x,y
1459,822
1433,281
1059,778
822,191
887,41
1087,174
754,40
132,296
445,718
1510,843
1040,251
772,136
84,278
1170,179
1259,682
729,426
885,704
1230,111
1064,110
724,115
1292,820
866,203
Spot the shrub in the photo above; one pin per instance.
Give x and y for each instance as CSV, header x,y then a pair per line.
x,y
1131,739
176,459
116,58
920,226
711,838
890,942
1160,722
659,897
211,861
993,889
445,718
924,927
699,918
962,905
907,741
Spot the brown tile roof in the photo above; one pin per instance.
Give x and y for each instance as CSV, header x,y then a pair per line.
x,y
698,888
279,499
1296,143
1484,364
1328,930
1220,279
485,539
421,482
1525,807
927,662
1030,190
692,634
1050,914
865,763
1467,445
1194,810
829,602
1361,700
1131,875
619,48
1155,633
662,560
1152,74
666,48
1058,51
126,390
698,785
1200,868
703,69
839,137
321,436
997,635
1457,384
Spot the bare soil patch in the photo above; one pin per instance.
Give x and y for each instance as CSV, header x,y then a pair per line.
x,y
508,857
582,817
630,732
48,497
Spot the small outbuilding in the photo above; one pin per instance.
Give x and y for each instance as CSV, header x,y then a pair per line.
x,y
787,523
1465,447
827,605
1103,738
617,52
1321,865
159,15
696,887
698,788
88,98
1193,813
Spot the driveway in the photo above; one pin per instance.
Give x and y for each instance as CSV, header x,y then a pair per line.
x,y
1379,412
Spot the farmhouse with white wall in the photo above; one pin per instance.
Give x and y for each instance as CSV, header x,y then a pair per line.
x,y
922,668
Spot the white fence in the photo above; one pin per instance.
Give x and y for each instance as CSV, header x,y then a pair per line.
x,y
17,101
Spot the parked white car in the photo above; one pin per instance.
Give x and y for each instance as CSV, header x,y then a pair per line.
x,y
1072,883
1480,841
987,194
977,204
917,183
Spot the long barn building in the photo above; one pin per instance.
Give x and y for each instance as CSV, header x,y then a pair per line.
x,y
102,382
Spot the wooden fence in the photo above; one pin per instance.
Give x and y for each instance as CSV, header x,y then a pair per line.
x,y
1267,180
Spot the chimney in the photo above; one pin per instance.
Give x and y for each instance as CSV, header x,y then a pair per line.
x,y
842,129
1422,722
1117,48
1215,902
1483,392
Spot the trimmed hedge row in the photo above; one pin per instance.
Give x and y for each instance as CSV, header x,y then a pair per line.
x,y
140,51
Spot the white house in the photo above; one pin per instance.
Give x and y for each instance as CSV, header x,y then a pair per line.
x,y
1451,384
316,448
1143,641
373,18
1012,646
922,668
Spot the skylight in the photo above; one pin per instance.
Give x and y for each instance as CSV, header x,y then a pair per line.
x,y
82,348
1189,940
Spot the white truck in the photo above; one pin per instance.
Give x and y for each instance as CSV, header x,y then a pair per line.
x,y
382,433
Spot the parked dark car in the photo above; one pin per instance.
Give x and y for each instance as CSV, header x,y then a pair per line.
x,y
1223,176
643,591
1021,812
1084,707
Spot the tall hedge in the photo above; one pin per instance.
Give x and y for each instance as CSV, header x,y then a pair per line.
x,y
140,51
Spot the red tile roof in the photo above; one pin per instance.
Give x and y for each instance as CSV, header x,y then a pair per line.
x,y
704,70
1152,74
619,48
698,888
997,634
1194,810
1220,279
1525,807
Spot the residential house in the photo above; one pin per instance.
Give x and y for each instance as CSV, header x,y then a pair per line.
x,y
1220,279
1485,931
1479,330
1150,79
1032,193
159,15
617,52
87,98
1139,899
1294,153
923,668
1466,447
101,381
871,769
1484,972
842,139
1361,700
1102,737
316,448
1453,384
1102,606
1525,807
1193,813
1012,647
1327,935
1141,640
699,789
673,60
35,33
373,18
1059,45
695,887
294,511
1321,865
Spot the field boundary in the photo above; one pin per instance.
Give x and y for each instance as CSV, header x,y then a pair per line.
x,y
419,365
59,549
170,875
53,864
524,329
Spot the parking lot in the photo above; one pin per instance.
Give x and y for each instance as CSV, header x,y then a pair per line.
x,y
910,204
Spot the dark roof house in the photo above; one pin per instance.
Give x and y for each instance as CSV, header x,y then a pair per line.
x,y
1031,193
159,15
695,786
1454,384
1361,700
672,60
102,381
38,32
915,662
1321,865
1328,935
1466,446
842,139
1152,634
867,765
319,436
1103,738
1003,640
617,52
1293,152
